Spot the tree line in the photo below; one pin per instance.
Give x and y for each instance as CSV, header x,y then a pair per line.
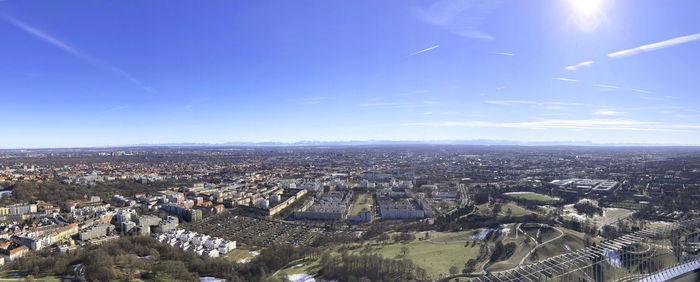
x,y
138,257
372,267
56,192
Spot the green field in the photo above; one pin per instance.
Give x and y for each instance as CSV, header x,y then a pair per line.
x,y
514,260
546,234
571,238
532,196
435,255
515,210
363,201
15,276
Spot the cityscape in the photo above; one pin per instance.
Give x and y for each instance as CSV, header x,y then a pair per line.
x,y
350,141
426,212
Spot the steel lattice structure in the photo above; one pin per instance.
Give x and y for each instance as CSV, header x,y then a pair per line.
x,y
635,256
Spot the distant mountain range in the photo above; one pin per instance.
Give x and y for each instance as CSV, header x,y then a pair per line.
x,y
478,142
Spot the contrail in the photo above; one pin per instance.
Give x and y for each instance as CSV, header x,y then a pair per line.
x,y
655,46
424,50
75,52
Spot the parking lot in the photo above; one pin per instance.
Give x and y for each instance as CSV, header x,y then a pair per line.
x,y
254,231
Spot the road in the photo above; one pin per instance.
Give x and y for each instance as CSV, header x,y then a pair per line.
x,y
561,233
483,271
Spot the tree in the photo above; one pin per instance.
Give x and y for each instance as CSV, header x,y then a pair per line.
x,y
100,266
497,209
454,270
100,273
509,249
497,251
404,251
383,237
130,265
176,270
481,198
470,266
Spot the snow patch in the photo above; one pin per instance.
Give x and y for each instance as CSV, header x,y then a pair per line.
x,y
302,277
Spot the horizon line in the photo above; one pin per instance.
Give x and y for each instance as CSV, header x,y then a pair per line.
x,y
369,142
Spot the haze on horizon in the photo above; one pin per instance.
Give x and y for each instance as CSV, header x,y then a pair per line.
x,y
110,73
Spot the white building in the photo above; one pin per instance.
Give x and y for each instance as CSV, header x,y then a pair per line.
x,y
226,246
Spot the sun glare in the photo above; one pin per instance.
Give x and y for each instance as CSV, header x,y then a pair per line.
x,y
586,7
587,14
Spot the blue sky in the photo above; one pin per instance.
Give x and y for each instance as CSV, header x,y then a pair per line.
x,y
106,73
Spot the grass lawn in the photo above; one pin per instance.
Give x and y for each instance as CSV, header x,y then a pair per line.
x,y
514,260
435,257
515,209
546,234
12,278
558,246
572,239
364,201
447,237
310,268
239,254
532,196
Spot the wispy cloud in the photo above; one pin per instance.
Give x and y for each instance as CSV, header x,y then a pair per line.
x,y
382,104
440,113
511,102
309,103
196,102
579,65
309,100
606,112
505,54
424,50
115,109
587,124
501,88
414,92
527,102
669,108
608,86
566,79
615,87
398,105
462,18
655,46
85,57
639,90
